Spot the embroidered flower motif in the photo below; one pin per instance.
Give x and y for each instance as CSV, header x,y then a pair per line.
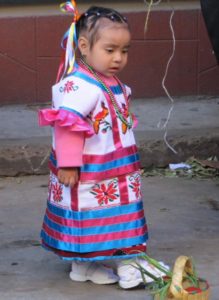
x,y
57,192
68,86
125,113
105,193
135,185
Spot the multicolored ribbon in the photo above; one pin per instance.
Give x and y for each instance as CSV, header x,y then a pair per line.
x,y
69,41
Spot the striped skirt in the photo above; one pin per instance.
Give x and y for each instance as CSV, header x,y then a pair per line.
x,y
95,221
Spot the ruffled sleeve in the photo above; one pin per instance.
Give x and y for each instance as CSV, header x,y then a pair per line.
x,y
135,121
65,118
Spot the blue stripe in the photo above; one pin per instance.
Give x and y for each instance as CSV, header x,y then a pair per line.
x,y
101,258
111,165
52,159
91,247
105,166
74,231
96,258
116,89
88,79
96,214
73,111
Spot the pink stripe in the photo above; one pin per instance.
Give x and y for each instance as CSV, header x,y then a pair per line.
x,y
115,131
95,222
84,176
74,197
99,159
119,153
123,190
95,238
110,173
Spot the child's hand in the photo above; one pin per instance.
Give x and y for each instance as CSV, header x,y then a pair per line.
x,y
68,176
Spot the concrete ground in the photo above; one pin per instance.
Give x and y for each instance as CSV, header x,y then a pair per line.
x,y
192,130
183,218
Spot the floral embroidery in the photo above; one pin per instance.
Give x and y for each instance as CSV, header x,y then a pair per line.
x,y
135,185
57,192
68,87
105,193
125,112
99,119
106,126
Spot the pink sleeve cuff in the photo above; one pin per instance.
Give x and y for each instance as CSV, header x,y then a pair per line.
x,y
65,118
69,147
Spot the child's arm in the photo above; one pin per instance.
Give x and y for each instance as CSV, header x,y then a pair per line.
x,y
69,149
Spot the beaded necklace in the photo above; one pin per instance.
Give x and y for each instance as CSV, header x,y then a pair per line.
x,y
123,118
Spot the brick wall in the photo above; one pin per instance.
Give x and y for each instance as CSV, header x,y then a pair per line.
x,y
30,49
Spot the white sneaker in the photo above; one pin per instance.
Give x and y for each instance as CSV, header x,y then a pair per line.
x,y
130,276
152,269
95,272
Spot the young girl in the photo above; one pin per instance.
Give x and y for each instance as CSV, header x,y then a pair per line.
x,y
95,210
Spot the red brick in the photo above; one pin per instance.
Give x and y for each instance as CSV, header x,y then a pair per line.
x,y
30,50
208,82
185,24
17,36
49,33
46,70
17,82
147,63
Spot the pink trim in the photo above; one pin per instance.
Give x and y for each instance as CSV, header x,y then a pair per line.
x,y
84,176
115,131
95,222
110,173
74,197
107,80
123,190
95,238
62,117
120,153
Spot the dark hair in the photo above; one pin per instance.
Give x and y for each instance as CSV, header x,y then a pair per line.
x,y
89,22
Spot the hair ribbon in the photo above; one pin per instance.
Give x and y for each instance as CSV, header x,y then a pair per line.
x,y
69,41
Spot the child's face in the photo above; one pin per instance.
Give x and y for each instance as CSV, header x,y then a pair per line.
x,y
109,53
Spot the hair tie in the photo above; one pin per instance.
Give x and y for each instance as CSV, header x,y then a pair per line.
x,y
70,7
69,41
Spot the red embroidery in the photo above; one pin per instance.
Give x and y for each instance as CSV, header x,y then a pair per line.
x,y
68,86
135,185
57,192
105,193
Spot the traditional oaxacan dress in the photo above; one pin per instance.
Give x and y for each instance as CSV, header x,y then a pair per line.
x,y
102,217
